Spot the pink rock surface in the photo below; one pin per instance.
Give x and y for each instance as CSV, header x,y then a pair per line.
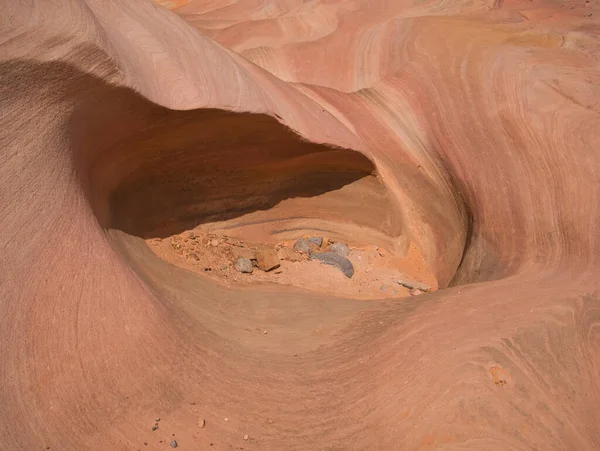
x,y
469,128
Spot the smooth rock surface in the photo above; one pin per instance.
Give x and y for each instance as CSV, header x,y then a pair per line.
x,y
469,128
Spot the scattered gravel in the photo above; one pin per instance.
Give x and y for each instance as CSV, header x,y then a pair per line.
x,y
219,255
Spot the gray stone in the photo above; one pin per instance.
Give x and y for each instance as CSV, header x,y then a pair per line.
x,y
318,240
340,249
331,258
303,246
244,265
410,284
174,444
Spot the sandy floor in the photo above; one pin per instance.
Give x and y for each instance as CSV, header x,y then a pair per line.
x,y
376,271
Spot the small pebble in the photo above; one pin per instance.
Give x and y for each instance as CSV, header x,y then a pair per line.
x,y
155,427
244,265
201,422
174,444
383,287
415,292
157,419
412,284
303,246
214,243
246,437
226,419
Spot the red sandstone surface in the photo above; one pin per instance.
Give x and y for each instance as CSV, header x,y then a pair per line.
x,y
462,135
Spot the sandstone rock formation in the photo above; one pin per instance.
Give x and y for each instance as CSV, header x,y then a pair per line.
x,y
469,129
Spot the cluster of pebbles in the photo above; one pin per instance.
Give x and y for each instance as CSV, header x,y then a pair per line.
x,y
313,248
224,257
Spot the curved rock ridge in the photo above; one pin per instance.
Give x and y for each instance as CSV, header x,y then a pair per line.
x,y
467,130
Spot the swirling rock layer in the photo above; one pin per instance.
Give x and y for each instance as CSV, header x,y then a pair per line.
x,y
468,129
